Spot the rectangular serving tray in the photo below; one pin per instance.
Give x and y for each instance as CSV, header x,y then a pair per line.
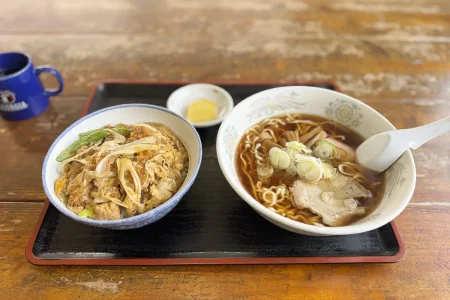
x,y
211,224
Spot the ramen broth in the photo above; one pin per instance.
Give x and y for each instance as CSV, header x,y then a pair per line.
x,y
247,165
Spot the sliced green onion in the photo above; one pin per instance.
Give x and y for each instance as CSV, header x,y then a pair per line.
x,y
346,153
87,133
304,167
274,156
86,213
295,149
310,169
86,140
292,169
119,129
285,160
325,150
122,130
278,158
328,170
299,157
298,147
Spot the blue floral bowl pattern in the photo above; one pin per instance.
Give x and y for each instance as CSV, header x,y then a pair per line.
x,y
352,113
128,114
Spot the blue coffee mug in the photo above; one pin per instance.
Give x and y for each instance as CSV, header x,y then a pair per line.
x,y
22,95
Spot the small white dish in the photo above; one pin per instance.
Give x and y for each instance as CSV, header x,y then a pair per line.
x,y
180,99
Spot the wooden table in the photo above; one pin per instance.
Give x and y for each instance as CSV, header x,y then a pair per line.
x,y
394,55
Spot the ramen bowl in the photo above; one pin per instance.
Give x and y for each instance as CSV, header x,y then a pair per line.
x,y
127,114
400,178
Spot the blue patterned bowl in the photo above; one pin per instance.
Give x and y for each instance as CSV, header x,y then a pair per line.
x,y
128,114
352,113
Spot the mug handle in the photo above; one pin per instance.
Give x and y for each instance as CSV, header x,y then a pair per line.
x,y
54,72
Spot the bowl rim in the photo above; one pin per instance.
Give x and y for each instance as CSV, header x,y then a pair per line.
x,y
138,218
227,95
317,230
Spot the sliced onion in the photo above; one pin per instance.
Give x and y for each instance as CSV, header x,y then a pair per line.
x,y
100,169
145,140
116,201
84,177
127,150
75,157
118,138
153,129
100,200
146,126
124,165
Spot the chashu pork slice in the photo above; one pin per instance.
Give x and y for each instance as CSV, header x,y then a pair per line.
x,y
334,211
344,187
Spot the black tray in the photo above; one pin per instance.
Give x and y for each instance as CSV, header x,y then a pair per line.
x,y
211,225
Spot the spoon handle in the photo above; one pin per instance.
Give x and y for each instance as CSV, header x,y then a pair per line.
x,y
420,135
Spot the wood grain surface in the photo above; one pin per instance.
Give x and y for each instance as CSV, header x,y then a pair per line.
x,y
422,274
393,55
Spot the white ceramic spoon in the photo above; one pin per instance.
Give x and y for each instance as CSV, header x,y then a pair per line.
x,y
380,151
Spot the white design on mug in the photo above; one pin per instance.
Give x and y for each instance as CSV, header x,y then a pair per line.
x,y
8,102
7,97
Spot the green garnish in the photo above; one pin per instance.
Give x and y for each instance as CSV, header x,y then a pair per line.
x,y
86,213
328,170
325,150
122,130
88,137
119,129
310,169
87,133
85,140
299,147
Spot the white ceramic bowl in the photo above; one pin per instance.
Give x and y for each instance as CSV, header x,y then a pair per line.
x,y
180,99
127,114
352,113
